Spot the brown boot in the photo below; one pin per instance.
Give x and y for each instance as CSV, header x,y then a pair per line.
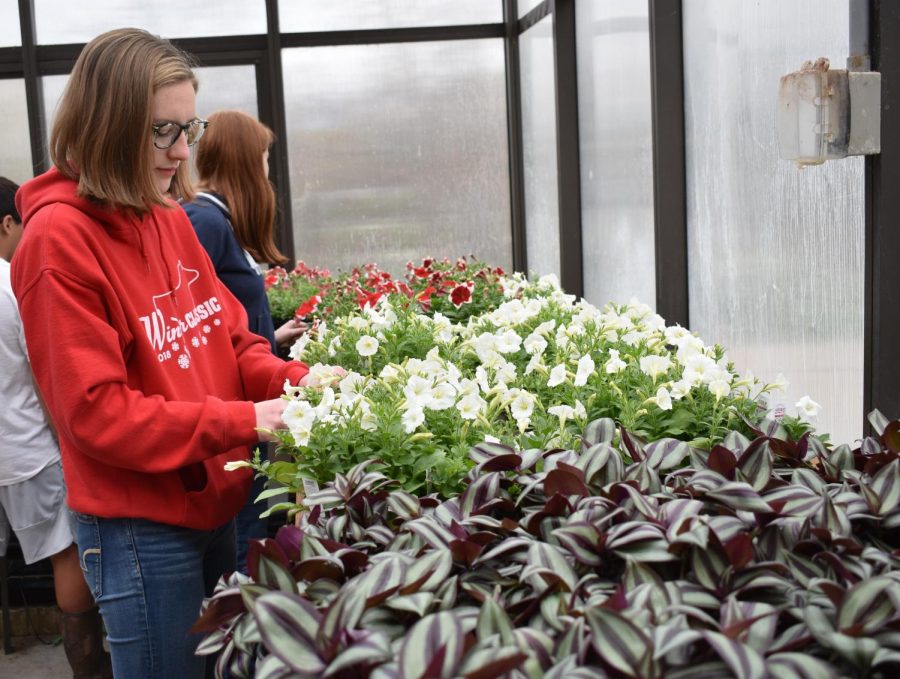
x,y
83,640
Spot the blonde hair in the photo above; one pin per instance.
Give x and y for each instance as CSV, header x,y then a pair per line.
x,y
102,134
229,161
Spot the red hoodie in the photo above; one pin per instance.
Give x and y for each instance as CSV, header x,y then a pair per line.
x,y
143,357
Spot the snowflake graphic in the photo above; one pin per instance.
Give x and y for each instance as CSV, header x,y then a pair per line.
x,y
204,340
218,321
175,346
184,361
195,342
207,329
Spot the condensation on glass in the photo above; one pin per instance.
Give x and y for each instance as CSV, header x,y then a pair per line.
x,y
10,35
15,162
616,144
57,22
776,253
398,152
539,148
296,16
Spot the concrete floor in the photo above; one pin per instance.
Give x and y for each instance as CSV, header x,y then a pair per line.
x,y
33,659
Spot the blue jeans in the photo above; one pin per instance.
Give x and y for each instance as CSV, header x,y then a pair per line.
x,y
149,580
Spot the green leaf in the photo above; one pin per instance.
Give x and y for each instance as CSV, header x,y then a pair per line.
x,y
621,643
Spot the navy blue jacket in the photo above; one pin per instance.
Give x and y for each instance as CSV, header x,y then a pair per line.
x,y
232,263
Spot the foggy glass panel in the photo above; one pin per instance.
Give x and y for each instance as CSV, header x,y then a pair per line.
x,y
296,16
398,152
539,141
52,87
616,145
775,252
15,161
231,87
57,22
10,35
525,6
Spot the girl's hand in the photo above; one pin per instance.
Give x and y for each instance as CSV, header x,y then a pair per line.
x,y
288,333
268,417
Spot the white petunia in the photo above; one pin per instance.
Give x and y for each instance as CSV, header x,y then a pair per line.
x,y
614,364
562,411
508,342
585,370
236,464
807,408
418,391
719,388
663,399
389,373
470,406
537,361
557,376
654,365
298,413
412,418
443,396
358,323
535,344
367,346
580,413
299,346
678,390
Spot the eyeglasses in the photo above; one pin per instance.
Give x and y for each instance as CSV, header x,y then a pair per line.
x,y
165,134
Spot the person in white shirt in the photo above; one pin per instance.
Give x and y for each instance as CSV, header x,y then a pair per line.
x,y
32,492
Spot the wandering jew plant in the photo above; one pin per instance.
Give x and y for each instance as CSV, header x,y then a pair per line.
x,y
766,555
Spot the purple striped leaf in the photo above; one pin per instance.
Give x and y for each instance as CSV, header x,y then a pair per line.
x,y
583,541
756,464
274,575
866,606
318,567
478,493
602,430
373,649
404,505
427,572
535,643
633,445
433,647
486,450
511,544
565,480
344,613
722,461
709,565
736,442
418,604
666,453
878,421
886,484
671,637
431,531
890,437
285,622
621,644
547,558
745,662
488,663
493,620
739,496
383,579
798,666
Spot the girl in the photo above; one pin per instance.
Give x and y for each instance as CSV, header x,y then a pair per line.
x,y
145,359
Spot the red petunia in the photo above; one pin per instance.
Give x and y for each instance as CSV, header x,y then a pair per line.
x,y
462,294
308,307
